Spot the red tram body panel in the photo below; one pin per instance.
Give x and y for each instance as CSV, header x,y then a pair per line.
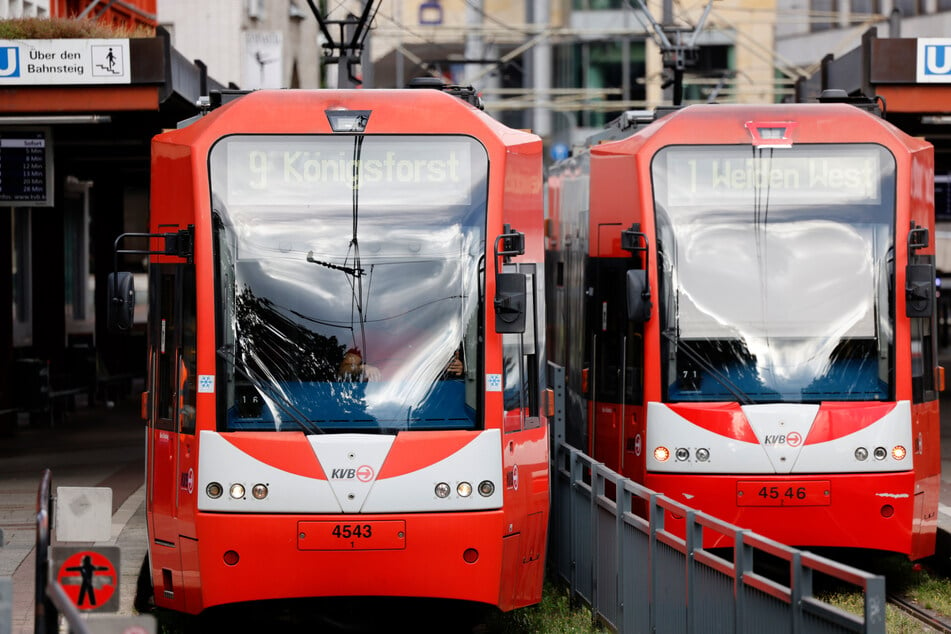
x,y
779,370
368,227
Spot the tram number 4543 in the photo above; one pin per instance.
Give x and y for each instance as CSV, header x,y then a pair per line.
x,y
796,493
366,535
352,531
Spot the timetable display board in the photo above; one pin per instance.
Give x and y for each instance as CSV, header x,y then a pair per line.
x,y
26,167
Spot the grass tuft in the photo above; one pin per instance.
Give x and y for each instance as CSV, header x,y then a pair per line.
x,y
554,615
67,28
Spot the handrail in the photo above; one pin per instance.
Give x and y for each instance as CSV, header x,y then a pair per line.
x,y
77,624
50,598
45,617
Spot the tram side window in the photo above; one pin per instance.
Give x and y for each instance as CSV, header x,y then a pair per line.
x,y
174,346
163,336
188,380
520,381
922,361
618,341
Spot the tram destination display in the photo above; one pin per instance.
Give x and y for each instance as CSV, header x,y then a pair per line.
x,y
26,167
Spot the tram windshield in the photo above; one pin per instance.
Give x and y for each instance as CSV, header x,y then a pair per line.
x,y
775,272
350,271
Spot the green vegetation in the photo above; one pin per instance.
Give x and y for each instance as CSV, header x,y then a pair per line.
x,y
913,582
66,28
554,615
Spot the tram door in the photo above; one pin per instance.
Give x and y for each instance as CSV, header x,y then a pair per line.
x,y
616,345
172,360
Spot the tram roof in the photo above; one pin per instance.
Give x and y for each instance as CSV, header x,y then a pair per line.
x,y
740,123
391,111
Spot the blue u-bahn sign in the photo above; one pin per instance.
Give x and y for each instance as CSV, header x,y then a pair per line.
x,y
933,63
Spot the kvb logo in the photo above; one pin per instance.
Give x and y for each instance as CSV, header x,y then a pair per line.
x,y
363,473
9,61
792,439
934,60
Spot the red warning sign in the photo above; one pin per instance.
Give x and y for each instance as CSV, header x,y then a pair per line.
x,y
89,579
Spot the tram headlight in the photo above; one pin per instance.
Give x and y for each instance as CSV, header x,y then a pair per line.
x,y
682,454
259,491
861,454
464,489
214,490
661,454
899,452
486,488
237,491
879,453
703,454
442,490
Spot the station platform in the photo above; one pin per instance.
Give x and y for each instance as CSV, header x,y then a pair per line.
x,y
105,447
101,446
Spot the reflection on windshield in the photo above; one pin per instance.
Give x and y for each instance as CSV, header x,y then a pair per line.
x,y
772,291
346,302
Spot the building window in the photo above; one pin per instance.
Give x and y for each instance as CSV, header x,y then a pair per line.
x,y
823,15
863,8
598,5
22,278
908,8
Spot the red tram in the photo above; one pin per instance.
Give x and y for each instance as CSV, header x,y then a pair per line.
x,y
755,286
346,342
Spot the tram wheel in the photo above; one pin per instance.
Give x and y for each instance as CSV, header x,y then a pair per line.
x,y
144,601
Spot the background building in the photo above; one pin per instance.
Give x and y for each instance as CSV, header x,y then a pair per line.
x,y
86,181
561,68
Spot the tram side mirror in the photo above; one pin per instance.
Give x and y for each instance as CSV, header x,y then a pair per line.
x,y
510,303
121,309
920,290
638,296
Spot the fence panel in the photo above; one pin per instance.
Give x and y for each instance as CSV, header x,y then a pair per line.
x,y
639,577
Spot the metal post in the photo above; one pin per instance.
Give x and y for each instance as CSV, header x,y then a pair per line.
x,y
475,47
366,57
541,70
622,506
45,616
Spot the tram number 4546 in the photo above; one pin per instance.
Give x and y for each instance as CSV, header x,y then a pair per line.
x,y
796,493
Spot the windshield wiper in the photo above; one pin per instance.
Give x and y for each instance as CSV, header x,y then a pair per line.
x,y
306,425
349,270
719,377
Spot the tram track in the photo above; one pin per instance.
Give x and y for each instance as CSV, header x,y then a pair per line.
x,y
926,617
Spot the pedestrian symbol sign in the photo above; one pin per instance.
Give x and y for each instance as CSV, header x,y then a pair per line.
x,y
89,577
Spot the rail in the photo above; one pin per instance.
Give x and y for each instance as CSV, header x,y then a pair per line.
x,y
50,599
610,542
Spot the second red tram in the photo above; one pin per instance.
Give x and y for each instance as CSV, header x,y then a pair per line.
x,y
743,298
345,392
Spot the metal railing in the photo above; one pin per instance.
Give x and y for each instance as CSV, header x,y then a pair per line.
x,y
610,543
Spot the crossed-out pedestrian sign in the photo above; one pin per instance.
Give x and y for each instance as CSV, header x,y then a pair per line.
x,y
89,577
